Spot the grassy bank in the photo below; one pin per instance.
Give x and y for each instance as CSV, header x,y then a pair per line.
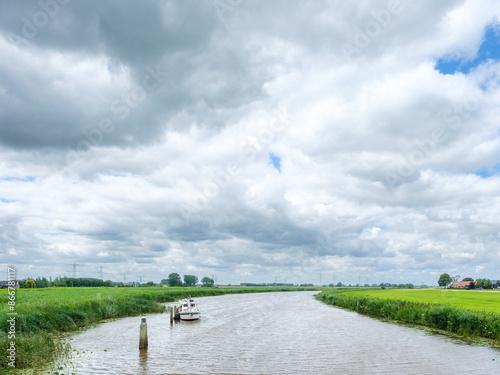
x,y
42,314
464,299
465,313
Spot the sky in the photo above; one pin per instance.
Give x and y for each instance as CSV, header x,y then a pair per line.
x,y
250,141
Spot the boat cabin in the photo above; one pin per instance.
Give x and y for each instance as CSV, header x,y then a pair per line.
x,y
188,304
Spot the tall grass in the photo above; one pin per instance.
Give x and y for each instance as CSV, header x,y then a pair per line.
x,y
449,318
44,313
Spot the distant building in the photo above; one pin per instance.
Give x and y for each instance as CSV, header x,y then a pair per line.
x,y
495,284
5,285
461,284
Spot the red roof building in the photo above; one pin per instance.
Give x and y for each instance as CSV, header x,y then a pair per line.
x,y
461,284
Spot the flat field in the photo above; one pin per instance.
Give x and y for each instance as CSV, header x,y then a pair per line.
x,y
474,300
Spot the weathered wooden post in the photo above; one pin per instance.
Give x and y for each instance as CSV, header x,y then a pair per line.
x,y
171,315
143,335
176,311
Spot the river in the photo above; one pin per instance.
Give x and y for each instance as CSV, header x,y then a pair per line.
x,y
274,333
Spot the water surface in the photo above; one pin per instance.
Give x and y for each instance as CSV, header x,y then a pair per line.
x,y
274,333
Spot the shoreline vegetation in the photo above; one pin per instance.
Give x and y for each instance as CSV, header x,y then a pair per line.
x,y
469,315
45,315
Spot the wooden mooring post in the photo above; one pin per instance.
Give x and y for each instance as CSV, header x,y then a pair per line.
x,y
143,334
171,315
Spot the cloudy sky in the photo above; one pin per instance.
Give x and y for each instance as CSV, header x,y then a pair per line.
x,y
252,141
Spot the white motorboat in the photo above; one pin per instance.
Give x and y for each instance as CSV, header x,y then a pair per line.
x,y
188,309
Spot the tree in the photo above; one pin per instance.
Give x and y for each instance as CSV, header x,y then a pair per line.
x,y
190,280
472,285
164,281
480,283
41,282
484,283
207,281
174,279
30,283
444,280
468,279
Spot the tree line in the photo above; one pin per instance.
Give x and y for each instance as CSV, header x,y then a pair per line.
x,y
174,279
43,282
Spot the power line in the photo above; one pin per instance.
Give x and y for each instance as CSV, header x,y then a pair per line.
x,y
74,268
124,276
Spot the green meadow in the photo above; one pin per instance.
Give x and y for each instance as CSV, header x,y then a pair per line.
x,y
469,314
464,299
43,314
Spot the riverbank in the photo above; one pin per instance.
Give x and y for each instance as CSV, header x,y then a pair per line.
x,y
461,313
43,315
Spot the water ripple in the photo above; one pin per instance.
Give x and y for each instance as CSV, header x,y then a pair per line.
x,y
273,333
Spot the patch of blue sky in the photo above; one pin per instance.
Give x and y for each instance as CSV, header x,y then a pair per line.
x,y
23,179
486,172
375,226
4,200
489,50
275,161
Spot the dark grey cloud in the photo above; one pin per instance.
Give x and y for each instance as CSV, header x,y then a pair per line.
x,y
207,76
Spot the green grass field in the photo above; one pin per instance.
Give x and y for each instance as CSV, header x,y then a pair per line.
x,y
469,314
465,299
42,314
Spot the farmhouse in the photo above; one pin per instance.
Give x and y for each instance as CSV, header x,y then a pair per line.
x,y
461,284
495,284
5,285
